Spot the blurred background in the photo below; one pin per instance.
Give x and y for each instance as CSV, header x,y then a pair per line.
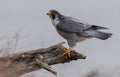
x,y
24,25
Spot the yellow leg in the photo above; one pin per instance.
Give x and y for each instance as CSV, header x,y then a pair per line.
x,y
66,51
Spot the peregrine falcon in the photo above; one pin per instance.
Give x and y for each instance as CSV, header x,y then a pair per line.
x,y
74,30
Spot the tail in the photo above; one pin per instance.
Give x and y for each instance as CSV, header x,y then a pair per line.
x,y
98,34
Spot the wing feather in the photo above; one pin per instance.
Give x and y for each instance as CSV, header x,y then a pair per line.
x,y
71,26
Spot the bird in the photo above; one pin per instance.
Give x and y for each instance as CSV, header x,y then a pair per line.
x,y
74,30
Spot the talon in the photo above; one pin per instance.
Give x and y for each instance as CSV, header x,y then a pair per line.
x,y
66,51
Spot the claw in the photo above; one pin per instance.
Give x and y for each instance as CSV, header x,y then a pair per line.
x,y
66,51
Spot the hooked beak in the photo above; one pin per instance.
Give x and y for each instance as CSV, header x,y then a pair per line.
x,y
49,13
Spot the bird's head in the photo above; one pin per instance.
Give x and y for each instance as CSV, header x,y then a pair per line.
x,y
53,14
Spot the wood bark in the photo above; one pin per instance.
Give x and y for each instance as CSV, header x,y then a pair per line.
x,y
15,65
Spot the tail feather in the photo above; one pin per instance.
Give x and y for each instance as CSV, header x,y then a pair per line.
x,y
98,34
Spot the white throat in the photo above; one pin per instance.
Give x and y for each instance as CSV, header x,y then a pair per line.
x,y
55,21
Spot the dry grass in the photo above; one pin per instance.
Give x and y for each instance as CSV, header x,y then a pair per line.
x,y
10,45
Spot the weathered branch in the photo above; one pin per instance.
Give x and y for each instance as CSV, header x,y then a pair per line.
x,y
16,65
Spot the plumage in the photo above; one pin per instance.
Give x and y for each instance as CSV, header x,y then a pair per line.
x,y
71,26
94,27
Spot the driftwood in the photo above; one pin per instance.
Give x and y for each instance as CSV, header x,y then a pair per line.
x,y
16,65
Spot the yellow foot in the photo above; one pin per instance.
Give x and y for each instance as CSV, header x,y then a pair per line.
x,y
66,51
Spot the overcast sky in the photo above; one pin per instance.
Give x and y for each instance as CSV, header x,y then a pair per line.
x,y
29,19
